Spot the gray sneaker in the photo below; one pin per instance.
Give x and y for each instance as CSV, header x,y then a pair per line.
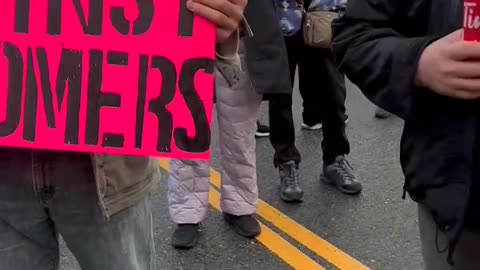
x,y
290,190
340,174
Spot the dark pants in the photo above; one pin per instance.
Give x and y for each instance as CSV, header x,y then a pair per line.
x,y
322,87
465,256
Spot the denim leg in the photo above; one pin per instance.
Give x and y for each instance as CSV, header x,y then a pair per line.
x,y
28,240
124,242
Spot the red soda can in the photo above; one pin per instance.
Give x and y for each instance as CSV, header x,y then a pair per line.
x,y
471,20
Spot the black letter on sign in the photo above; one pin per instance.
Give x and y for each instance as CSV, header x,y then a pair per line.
x,y
142,96
15,88
69,71
22,16
112,139
31,101
158,105
54,17
201,141
95,17
141,24
97,99
185,20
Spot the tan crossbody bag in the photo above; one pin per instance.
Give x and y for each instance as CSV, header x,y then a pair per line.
x,y
317,29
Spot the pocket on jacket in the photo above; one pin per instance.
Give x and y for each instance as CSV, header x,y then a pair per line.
x,y
124,172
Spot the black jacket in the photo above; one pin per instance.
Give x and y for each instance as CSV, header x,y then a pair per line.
x,y
378,44
266,57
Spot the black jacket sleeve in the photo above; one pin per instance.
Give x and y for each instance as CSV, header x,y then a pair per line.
x,y
379,53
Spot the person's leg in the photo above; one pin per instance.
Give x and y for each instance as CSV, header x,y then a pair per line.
x,y
310,87
319,66
238,108
123,242
188,189
321,71
466,253
293,45
282,133
282,129
28,239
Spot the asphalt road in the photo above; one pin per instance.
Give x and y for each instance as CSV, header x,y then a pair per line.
x,y
377,228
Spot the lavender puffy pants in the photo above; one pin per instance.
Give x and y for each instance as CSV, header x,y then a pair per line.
x,y
238,108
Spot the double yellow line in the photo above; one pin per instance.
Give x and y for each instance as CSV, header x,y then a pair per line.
x,y
281,247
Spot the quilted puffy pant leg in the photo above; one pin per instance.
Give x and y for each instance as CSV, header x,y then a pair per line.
x,y
188,187
238,108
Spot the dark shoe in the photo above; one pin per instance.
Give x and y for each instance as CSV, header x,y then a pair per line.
x,y
262,130
340,175
382,114
186,236
246,226
290,190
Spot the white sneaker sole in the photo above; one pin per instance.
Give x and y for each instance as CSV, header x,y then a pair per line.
x,y
261,134
312,128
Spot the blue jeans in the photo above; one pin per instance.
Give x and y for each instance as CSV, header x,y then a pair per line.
x,y
46,194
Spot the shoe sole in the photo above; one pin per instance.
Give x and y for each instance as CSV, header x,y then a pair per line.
x,y
261,135
312,128
339,188
240,232
290,199
187,246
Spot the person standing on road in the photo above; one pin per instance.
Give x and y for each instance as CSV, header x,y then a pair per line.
x,y
99,204
323,91
409,57
265,74
321,85
238,108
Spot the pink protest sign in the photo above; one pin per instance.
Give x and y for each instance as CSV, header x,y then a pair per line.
x,y
127,77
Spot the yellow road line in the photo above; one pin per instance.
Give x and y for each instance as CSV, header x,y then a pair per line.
x,y
316,244
274,242
164,164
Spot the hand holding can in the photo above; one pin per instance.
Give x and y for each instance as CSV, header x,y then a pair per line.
x,y
471,20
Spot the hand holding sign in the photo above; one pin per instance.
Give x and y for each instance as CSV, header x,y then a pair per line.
x,y
106,76
225,14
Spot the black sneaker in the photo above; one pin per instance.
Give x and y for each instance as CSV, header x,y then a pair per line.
x,y
246,226
186,236
290,190
262,130
340,175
